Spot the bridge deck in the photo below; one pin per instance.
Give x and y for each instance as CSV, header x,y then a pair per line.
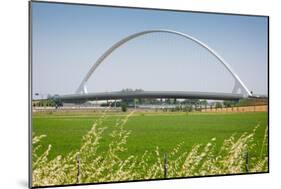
x,y
150,94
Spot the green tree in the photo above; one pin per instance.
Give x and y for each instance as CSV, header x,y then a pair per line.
x,y
218,105
204,103
229,103
124,106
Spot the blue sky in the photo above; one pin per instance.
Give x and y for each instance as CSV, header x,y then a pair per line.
x,y
68,39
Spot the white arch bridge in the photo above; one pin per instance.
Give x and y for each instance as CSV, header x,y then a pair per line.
x,y
239,89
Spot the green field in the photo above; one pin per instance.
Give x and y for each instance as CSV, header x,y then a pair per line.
x,y
148,130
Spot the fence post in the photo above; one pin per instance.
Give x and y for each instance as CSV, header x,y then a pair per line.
x,y
165,165
247,162
78,169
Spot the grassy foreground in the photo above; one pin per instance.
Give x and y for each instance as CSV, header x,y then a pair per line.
x,y
146,137
148,130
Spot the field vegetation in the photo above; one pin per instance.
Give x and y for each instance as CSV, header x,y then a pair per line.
x,y
71,148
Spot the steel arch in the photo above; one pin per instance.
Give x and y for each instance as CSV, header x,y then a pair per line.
x,y
238,83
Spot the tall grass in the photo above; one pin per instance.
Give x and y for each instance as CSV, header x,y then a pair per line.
x,y
108,166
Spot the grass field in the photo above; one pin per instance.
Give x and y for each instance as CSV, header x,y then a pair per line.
x,y
148,130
